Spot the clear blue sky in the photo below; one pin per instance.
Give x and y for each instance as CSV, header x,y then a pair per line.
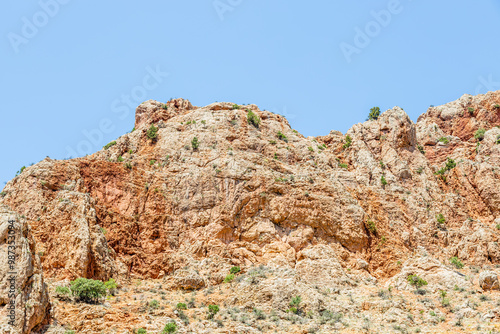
x,y
70,73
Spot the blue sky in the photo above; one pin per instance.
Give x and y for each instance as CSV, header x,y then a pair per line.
x,y
72,71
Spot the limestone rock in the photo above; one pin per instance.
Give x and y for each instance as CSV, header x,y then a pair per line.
x,y
24,300
488,280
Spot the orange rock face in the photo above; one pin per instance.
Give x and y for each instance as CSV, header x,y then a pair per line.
x,y
212,185
250,196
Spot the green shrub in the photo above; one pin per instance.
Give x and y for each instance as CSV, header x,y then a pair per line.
x,y
456,262
259,314
235,270
69,331
212,311
450,164
348,142
371,227
164,106
229,278
181,306
152,162
416,281
171,327
444,140
440,218
195,143
374,113
141,331
296,301
496,106
120,159
383,180
154,304
471,110
281,136
253,119
498,139
310,149
152,132
62,291
128,165
498,226
235,106
3,194
88,290
479,135
421,149
342,165
111,286
113,143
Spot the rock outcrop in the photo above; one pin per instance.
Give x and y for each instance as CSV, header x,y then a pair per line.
x,y
24,301
193,191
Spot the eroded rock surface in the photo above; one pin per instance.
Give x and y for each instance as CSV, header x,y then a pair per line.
x,y
193,191
24,301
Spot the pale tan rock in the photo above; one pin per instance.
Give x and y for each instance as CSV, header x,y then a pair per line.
x,y
438,276
24,301
488,280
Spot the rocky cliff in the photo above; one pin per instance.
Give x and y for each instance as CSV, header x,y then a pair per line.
x,y
194,191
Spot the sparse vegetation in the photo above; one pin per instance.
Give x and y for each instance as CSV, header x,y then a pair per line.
x,y
153,304
120,159
383,180
456,262
342,165
374,113
113,143
212,311
416,281
111,286
253,119
371,227
281,136
479,135
195,143
444,140
181,306
471,111
235,270
294,304
62,292
88,290
310,149
450,164
421,149
152,132
229,278
171,327
348,142
235,106
440,219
